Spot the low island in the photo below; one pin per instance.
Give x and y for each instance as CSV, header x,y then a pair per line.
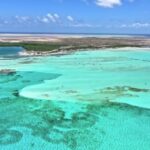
x,y
45,45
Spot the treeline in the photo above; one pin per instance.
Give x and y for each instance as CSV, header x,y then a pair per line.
x,y
34,46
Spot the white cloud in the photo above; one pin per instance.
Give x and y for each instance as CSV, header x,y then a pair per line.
x,y
136,25
45,20
84,25
70,18
22,19
108,3
51,17
3,21
139,25
56,16
81,25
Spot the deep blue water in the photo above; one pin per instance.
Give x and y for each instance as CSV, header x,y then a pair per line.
x,y
10,51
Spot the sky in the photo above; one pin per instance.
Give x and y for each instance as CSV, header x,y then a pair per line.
x,y
75,16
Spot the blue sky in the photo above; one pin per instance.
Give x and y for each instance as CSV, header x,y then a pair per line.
x,y
88,16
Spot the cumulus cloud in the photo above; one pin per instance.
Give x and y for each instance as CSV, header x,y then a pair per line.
x,y
56,16
136,25
22,19
70,18
51,17
48,19
81,25
2,21
108,3
45,20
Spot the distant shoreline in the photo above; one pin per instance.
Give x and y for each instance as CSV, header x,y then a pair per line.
x,y
74,33
71,35
45,45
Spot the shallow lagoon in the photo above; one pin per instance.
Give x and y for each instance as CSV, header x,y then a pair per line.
x,y
88,100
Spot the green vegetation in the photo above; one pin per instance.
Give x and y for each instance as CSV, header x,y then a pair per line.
x,y
34,46
45,46
123,45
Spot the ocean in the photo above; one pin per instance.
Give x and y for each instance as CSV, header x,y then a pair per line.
x,y
86,100
10,51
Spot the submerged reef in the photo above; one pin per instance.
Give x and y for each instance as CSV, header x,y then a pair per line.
x,y
45,120
88,117
7,72
120,90
48,121
9,136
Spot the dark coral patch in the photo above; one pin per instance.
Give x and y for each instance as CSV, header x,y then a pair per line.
x,y
121,90
66,123
83,120
53,136
16,93
7,72
53,116
70,140
10,137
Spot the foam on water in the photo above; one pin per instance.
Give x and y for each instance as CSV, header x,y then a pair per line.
x,y
86,100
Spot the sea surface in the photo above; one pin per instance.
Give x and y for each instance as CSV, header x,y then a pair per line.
x,y
86,100
9,51
68,35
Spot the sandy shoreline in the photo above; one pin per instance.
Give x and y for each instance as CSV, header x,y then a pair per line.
x,y
65,52
59,37
72,42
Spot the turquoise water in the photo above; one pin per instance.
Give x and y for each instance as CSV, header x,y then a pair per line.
x,y
88,100
9,51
